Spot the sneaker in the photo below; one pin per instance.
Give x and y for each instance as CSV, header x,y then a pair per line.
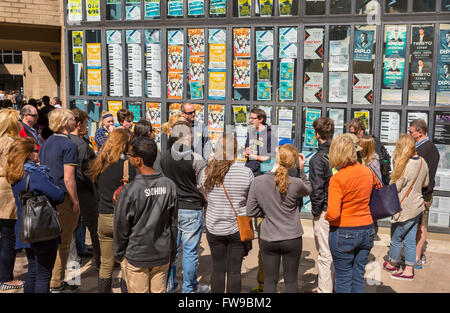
x,y
65,288
202,289
174,289
418,264
423,259
388,267
257,290
401,276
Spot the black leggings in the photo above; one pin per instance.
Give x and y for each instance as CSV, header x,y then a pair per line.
x,y
272,252
227,253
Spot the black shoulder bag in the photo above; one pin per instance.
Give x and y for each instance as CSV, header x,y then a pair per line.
x,y
39,220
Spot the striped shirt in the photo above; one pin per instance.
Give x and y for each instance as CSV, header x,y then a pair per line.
x,y
220,218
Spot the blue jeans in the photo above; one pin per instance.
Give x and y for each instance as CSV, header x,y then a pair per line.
x,y
7,250
41,259
404,232
80,237
350,249
189,235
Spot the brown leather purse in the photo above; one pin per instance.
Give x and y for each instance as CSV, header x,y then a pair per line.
x,y
245,224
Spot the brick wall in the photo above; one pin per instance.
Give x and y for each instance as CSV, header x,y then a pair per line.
x,y
41,12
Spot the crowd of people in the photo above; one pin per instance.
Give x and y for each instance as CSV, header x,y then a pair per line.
x,y
143,207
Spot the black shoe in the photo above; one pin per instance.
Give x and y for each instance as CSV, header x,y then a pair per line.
x,y
104,285
123,286
65,288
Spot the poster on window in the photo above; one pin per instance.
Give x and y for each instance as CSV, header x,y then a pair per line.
x,y
134,70
115,70
196,7
135,108
285,7
264,45
266,7
339,56
217,56
196,69
263,71
241,40
363,88
443,68
153,113
114,107
216,117
240,114
363,49
395,41
133,10
94,82
389,127
93,10
241,73
74,13
420,82
175,86
313,45
338,86
217,7
393,73
152,8
77,47
175,58
217,35
312,89
175,8
288,42
286,90
422,42
153,62
264,91
311,116
442,128
244,8
196,41
93,55
337,115
365,116
217,85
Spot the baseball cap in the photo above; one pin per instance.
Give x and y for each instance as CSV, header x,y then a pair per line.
x,y
355,141
285,141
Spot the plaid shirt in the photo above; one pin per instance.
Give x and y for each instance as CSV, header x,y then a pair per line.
x,y
100,136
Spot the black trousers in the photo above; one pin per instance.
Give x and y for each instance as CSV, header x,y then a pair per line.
x,y
289,251
227,253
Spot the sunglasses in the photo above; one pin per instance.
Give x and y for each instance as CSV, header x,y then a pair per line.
x,y
190,113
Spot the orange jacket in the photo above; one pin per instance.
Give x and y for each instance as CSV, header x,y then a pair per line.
x,y
349,196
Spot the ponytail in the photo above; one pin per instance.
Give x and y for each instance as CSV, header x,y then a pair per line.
x,y
281,179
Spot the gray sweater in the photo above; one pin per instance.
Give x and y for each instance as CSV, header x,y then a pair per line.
x,y
281,215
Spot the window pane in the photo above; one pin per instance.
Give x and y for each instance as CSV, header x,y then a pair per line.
x,y
241,64
17,58
445,5
396,6
424,5
315,7
340,6
7,59
338,63
313,65
263,67
94,63
367,6
114,10
76,58
443,68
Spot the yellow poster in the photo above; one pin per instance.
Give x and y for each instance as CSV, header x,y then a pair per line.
x,y
93,10
77,39
93,55
365,116
114,107
217,85
94,82
217,56
78,55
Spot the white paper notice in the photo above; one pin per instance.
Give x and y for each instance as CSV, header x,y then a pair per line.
x,y
390,127
134,70
115,70
153,56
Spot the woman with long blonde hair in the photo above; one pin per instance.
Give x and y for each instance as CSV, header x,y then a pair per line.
x,y
9,131
107,171
225,181
20,166
351,226
368,155
274,196
410,175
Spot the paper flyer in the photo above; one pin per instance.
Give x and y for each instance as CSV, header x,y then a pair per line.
x,y
133,10
362,88
152,8
175,37
175,8
197,69
244,8
241,40
217,85
313,45
175,59
135,108
114,107
365,116
395,36
78,78
240,114
363,48
134,70
263,73
217,35
196,7
266,7
217,7
286,90
311,116
153,83
422,42
287,69
94,82
339,56
92,10
442,128
312,89
338,87
174,108
175,85
285,7
217,56
264,45
153,113
285,123
115,70
393,73
216,118
241,73
74,11
416,115
196,41
443,68
288,43
337,115
389,127
77,55
310,138
199,112
196,90
93,56
420,82
391,96
264,91
113,37
77,39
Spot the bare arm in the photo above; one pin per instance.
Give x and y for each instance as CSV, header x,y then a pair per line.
x,y
71,185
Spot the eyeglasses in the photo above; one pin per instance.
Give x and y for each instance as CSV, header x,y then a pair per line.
x,y
253,118
33,115
36,150
133,155
190,113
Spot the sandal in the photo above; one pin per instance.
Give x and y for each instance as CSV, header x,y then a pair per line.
x,y
7,286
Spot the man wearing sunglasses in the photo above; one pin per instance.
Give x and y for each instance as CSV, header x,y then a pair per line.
x,y
29,117
201,144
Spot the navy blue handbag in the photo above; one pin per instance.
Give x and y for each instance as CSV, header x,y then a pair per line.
x,y
384,201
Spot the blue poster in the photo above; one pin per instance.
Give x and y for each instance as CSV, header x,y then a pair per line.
x,y
311,116
218,7
264,91
286,90
443,69
175,8
196,7
395,41
136,109
393,73
152,8
363,50
196,90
